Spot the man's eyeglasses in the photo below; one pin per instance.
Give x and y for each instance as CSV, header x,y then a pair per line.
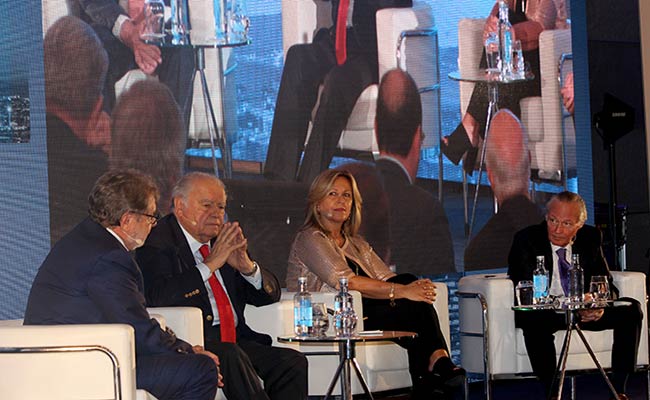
x,y
153,219
554,222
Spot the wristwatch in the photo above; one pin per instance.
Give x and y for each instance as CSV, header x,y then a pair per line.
x,y
255,268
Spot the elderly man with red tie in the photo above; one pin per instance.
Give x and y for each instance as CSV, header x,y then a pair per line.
x,y
194,258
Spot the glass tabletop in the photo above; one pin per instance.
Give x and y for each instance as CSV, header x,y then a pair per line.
x,y
564,304
188,41
480,75
368,336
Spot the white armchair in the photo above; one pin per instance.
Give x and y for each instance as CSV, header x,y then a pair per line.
x,y
68,362
94,361
406,37
492,346
384,365
551,134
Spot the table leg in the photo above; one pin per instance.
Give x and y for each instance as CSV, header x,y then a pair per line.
x,y
564,355
593,357
493,94
211,121
334,378
226,151
363,382
347,358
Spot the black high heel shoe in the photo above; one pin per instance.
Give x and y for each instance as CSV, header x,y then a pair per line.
x,y
447,373
458,145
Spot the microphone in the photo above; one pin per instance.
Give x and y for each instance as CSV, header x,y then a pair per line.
x,y
138,242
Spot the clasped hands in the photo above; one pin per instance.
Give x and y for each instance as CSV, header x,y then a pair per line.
x,y
420,290
590,315
230,247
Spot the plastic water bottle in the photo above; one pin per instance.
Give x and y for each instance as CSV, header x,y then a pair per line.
x,y
302,311
345,319
576,280
505,40
540,282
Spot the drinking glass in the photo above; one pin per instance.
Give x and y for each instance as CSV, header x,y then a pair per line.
x,y
599,288
492,53
524,293
518,59
320,319
154,19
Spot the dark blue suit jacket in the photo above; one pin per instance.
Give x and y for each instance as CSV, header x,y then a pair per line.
x,y
89,277
172,279
533,241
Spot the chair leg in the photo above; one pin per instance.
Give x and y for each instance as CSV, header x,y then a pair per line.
x,y
466,388
648,383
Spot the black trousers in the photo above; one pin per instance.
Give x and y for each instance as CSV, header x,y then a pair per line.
x,y
176,71
305,68
413,316
177,376
539,326
284,371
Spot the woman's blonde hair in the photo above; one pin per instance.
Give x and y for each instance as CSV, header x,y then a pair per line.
x,y
320,187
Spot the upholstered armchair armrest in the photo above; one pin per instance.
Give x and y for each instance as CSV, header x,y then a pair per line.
x,y
301,19
632,284
67,361
486,316
413,30
186,322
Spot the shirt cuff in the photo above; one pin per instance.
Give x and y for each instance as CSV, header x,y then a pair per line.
x,y
204,270
117,26
255,279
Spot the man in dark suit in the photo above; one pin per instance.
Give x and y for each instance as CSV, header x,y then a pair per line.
x,y
507,163
344,77
564,231
189,259
419,231
90,277
119,30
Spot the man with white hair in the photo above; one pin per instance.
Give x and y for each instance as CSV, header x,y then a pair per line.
x,y
562,234
195,258
507,162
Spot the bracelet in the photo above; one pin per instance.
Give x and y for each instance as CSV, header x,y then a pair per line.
x,y
255,268
391,295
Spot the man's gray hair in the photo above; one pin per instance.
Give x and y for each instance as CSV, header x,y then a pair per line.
x,y
570,197
183,187
119,191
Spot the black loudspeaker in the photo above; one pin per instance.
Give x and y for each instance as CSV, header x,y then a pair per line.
x,y
270,213
615,120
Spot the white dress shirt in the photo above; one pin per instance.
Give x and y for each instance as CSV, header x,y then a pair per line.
x,y
204,270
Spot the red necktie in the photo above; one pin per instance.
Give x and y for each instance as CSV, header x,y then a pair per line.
x,y
341,31
226,318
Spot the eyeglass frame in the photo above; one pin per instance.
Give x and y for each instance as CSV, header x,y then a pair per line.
x,y
156,217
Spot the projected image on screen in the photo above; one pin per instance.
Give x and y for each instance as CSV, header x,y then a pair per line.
x,y
512,128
